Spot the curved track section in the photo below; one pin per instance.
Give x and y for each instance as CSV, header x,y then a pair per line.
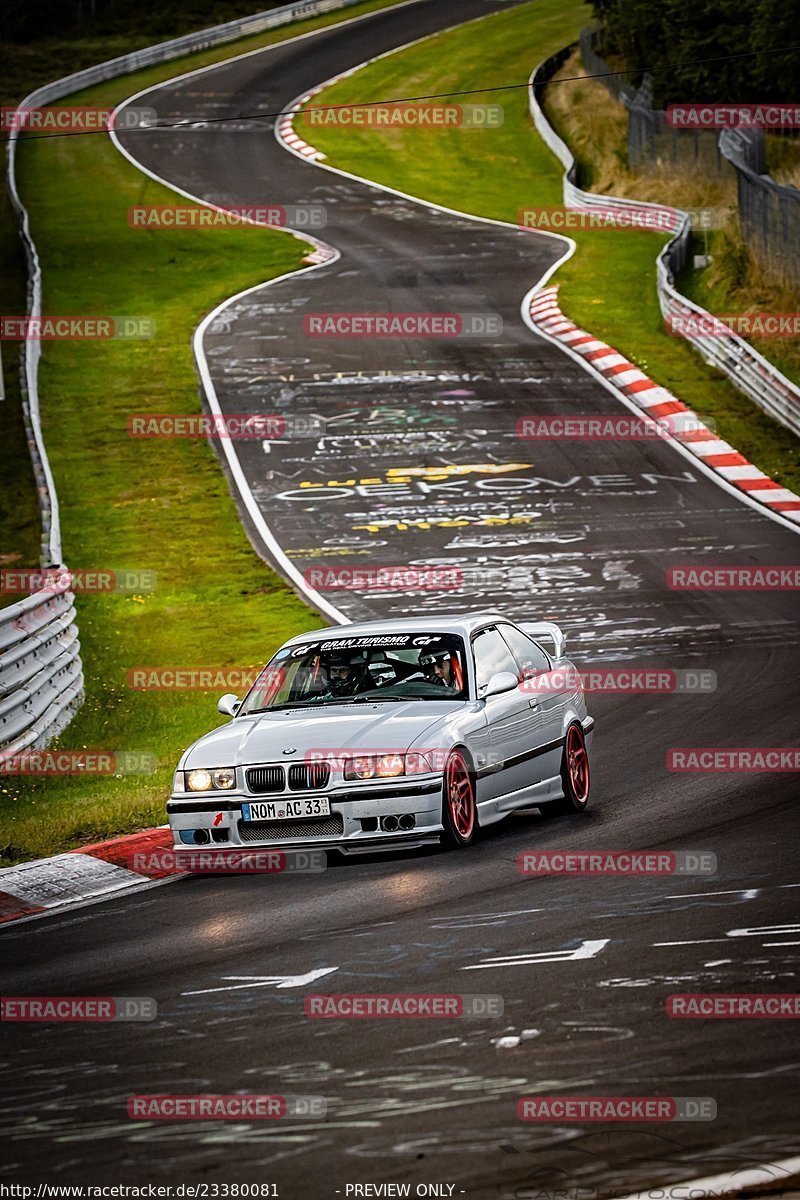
x,y
420,462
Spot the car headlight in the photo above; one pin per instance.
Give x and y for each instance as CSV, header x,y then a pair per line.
x,y
222,779
365,766
359,768
390,765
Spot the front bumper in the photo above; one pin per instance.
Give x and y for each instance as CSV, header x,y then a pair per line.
x,y
355,824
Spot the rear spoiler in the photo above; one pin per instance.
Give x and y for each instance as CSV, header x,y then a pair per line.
x,y
539,630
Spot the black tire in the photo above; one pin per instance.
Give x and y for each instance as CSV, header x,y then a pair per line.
x,y
575,775
459,810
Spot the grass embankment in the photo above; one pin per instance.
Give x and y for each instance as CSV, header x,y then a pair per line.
x,y
594,125
609,285
155,505
783,159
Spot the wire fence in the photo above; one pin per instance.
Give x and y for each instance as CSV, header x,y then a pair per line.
x,y
769,212
759,379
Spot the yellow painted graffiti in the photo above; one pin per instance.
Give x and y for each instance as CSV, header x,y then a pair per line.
x,y
444,523
406,474
444,472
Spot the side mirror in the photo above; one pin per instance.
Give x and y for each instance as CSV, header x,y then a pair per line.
x,y
229,704
503,681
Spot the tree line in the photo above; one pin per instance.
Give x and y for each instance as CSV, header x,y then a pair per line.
x,y
670,37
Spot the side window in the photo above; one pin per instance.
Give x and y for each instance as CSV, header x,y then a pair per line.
x,y
491,655
531,658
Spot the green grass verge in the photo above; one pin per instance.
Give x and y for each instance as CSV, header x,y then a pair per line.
x,y
734,283
152,505
609,285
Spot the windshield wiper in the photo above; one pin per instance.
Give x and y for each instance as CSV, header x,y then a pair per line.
x,y
279,707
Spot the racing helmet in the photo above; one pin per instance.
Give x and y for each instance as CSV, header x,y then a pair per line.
x,y
432,657
341,665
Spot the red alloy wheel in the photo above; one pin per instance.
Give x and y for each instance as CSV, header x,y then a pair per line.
x,y
459,799
577,764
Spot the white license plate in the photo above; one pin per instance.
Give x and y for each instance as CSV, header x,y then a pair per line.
x,y
286,810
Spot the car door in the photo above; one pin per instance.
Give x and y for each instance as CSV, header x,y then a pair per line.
x,y
546,692
507,716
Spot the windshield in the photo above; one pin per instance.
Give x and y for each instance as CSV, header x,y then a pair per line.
x,y
381,667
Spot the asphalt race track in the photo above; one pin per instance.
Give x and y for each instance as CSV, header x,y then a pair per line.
x,y
580,532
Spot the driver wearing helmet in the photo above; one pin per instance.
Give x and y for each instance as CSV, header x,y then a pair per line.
x,y
342,674
437,666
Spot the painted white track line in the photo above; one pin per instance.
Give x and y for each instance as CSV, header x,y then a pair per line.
x,y
34,899
717,460
321,255
85,876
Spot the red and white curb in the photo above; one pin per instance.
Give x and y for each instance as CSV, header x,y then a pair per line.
x,y
284,128
658,402
288,135
680,422
90,873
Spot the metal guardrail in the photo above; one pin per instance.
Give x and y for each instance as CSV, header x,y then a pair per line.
x,y
759,379
41,676
41,679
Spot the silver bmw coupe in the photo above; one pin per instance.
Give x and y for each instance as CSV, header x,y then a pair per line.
x,y
390,734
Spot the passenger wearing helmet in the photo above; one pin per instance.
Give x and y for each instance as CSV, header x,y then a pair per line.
x,y
437,666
